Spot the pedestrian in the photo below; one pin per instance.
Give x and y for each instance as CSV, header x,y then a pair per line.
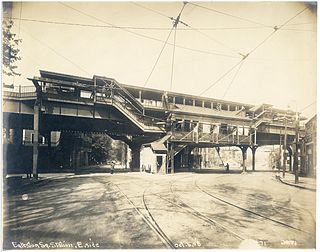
x,y
227,167
112,167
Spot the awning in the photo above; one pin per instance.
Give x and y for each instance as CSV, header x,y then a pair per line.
x,y
159,145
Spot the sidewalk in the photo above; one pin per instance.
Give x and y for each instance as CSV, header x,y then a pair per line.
x,y
304,182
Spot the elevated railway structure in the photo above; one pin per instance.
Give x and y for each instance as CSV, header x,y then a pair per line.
x,y
174,121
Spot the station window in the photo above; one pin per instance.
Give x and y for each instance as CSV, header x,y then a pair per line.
x,y
193,125
178,126
206,128
198,103
179,100
187,125
246,131
240,130
207,104
224,107
224,128
189,102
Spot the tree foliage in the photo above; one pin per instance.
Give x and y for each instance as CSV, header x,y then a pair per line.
x,y
10,49
100,148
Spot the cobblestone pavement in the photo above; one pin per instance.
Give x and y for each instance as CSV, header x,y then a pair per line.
x,y
139,210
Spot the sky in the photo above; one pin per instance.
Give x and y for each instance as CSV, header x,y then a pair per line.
x,y
280,70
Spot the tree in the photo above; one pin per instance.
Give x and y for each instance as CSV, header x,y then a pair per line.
x,y
10,50
100,148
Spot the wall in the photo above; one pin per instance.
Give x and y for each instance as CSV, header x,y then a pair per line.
x,y
149,162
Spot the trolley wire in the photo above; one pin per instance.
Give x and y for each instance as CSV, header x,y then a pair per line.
x,y
148,28
245,56
230,15
191,28
56,52
157,60
175,24
306,107
152,10
235,75
145,36
173,52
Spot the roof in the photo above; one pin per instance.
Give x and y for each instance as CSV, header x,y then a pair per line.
x,y
158,146
73,78
208,111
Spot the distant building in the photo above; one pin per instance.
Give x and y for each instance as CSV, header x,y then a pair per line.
x,y
311,146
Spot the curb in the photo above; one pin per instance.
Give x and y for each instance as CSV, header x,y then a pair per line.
x,y
290,184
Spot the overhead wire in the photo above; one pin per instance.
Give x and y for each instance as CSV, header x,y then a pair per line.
x,y
157,60
221,77
173,27
175,24
210,38
151,28
230,15
146,36
234,77
191,28
308,106
276,28
172,64
127,27
150,9
56,52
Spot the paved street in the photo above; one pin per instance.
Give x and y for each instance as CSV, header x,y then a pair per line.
x,y
183,210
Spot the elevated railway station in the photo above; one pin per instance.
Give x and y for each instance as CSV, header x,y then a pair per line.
x,y
165,126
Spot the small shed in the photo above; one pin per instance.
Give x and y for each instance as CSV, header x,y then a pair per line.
x,y
153,156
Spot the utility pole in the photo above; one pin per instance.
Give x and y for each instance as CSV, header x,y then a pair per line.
x,y
296,165
280,147
284,147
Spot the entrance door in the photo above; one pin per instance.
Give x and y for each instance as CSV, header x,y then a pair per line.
x,y
159,162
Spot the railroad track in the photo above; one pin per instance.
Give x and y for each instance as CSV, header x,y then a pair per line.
x,y
150,221
199,215
217,198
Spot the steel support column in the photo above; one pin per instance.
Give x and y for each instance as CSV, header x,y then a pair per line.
x,y
244,157
49,149
135,158
253,149
172,157
36,119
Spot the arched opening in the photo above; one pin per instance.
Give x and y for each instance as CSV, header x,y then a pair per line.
x,y
268,158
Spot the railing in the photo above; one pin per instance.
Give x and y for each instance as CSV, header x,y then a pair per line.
x,y
178,149
140,119
20,92
212,137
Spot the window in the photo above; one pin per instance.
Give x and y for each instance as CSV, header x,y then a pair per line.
x,y
187,125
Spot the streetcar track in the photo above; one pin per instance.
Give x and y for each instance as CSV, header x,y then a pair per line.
x,y
250,211
201,216
158,231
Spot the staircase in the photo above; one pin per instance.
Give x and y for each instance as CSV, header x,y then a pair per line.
x,y
178,148
129,106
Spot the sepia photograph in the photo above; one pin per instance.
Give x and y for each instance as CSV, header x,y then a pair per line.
x,y
159,125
